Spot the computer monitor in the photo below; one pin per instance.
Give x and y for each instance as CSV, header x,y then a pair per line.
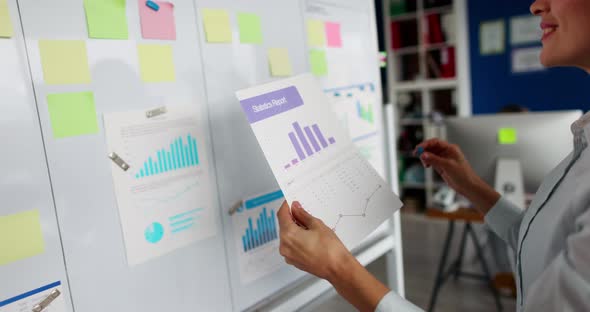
x,y
539,140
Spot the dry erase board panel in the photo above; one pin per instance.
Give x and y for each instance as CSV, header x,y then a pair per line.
x,y
33,257
343,53
189,278
236,55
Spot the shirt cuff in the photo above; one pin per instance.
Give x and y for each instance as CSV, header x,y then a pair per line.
x,y
394,302
502,217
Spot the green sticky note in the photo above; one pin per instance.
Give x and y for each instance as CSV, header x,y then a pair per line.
x,y
279,62
250,28
106,19
6,30
64,61
507,136
319,64
316,34
21,236
156,63
217,26
72,114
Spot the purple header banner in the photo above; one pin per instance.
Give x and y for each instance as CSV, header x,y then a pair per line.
x,y
270,104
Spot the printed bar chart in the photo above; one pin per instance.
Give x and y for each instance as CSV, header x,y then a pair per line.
x,y
180,155
307,141
263,232
365,113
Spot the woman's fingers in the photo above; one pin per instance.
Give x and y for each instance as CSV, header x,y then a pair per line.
x,y
301,216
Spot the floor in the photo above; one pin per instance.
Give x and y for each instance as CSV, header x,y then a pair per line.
x,y
423,239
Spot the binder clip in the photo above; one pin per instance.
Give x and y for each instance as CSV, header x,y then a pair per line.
x,y
235,207
152,5
47,301
119,161
156,112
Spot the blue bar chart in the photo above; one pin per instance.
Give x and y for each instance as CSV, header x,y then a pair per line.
x,y
260,231
365,112
182,153
307,141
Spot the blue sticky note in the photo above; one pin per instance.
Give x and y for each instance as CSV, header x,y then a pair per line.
x,y
154,6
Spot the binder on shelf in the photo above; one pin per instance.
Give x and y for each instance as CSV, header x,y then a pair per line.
x,y
447,61
397,7
396,39
433,30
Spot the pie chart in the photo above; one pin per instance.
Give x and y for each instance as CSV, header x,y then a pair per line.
x,y
154,232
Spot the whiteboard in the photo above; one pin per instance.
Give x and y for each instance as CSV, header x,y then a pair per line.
x,y
24,184
69,180
242,170
80,170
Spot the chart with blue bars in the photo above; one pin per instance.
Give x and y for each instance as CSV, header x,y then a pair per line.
x,y
262,233
181,154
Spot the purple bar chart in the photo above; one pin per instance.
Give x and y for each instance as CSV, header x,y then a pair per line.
x,y
307,141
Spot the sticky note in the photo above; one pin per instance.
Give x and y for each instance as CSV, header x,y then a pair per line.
x,y
21,236
333,35
507,136
106,19
319,65
156,62
217,26
72,114
6,30
64,61
158,24
316,35
250,28
279,62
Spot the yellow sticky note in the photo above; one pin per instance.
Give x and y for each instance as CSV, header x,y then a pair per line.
x,y
316,34
21,236
217,25
6,30
156,62
279,62
64,61
72,114
507,136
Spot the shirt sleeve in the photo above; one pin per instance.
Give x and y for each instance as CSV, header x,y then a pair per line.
x,y
565,283
394,302
504,219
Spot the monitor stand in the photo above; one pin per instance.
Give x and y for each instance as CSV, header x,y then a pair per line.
x,y
509,181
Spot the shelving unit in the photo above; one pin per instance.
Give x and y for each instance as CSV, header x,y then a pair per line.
x,y
428,80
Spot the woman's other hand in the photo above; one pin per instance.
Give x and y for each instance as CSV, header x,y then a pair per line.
x,y
308,244
448,160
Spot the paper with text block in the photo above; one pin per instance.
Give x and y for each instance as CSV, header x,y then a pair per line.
x,y
314,160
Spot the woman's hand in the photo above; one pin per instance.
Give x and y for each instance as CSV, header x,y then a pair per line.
x,y
312,247
448,160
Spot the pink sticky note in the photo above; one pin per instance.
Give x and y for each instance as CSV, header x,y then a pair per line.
x,y
157,24
333,35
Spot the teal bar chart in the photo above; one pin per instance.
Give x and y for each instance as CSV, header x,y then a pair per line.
x,y
182,153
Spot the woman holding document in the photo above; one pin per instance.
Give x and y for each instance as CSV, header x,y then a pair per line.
x,y
551,238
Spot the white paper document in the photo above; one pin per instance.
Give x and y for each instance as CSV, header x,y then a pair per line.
x,y
313,158
34,299
165,197
256,236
